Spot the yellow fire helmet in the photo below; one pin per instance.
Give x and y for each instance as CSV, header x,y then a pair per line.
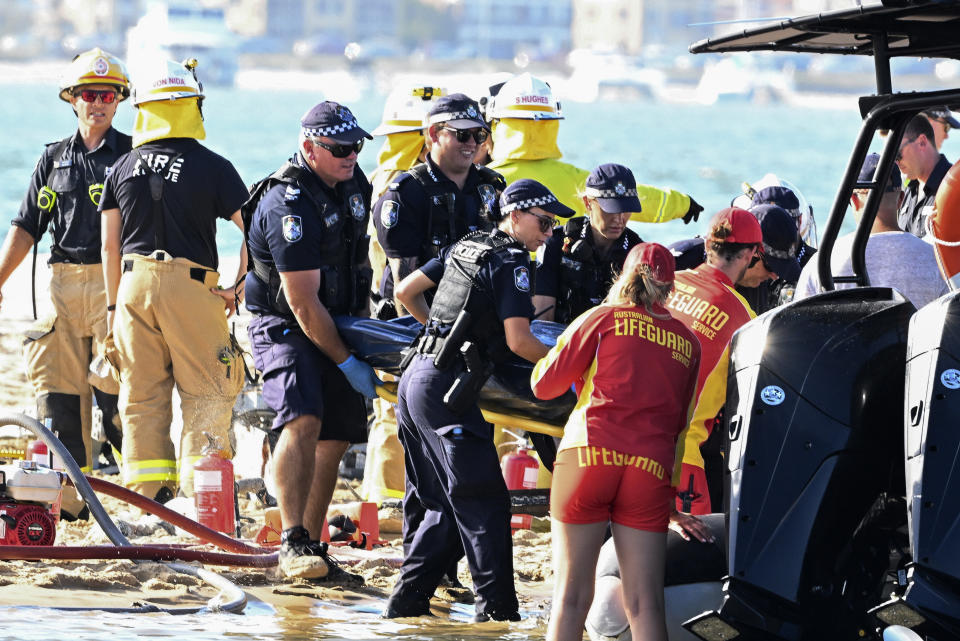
x,y
527,97
94,67
406,108
167,80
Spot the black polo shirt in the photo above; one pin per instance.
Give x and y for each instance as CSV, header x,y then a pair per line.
x,y
917,203
77,177
199,186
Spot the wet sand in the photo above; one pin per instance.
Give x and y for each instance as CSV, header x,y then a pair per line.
x,y
119,583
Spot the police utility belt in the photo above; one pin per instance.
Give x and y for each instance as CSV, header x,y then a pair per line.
x,y
445,349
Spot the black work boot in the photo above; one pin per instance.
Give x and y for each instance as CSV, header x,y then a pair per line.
x,y
407,602
299,559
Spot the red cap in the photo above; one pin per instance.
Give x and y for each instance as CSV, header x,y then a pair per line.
x,y
735,225
657,257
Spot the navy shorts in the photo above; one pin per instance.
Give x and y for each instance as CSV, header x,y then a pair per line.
x,y
300,380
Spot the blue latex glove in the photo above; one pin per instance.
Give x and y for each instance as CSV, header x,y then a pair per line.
x,y
361,376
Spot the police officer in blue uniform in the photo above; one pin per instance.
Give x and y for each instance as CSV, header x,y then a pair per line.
x,y
308,255
580,261
439,201
481,312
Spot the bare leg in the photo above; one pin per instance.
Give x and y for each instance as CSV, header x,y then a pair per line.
x,y
294,468
575,551
642,556
327,455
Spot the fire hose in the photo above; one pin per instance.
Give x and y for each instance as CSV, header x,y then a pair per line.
x,y
230,598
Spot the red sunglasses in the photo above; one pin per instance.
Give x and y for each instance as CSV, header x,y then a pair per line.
x,y
106,96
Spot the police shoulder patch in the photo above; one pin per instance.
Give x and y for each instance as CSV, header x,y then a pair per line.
x,y
292,228
357,209
521,278
389,213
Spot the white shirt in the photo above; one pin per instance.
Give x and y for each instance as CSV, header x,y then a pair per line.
x,y
895,259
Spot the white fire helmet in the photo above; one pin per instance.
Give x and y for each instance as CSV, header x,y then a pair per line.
x,y
166,80
94,67
406,109
527,97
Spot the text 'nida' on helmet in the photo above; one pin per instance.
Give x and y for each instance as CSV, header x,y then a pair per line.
x,y
166,80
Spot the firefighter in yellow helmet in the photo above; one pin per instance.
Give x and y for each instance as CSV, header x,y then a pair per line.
x,y
525,119
168,315
63,195
404,145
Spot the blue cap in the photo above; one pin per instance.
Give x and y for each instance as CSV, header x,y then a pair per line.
x,y
526,193
943,114
870,168
778,195
457,111
332,120
614,187
780,240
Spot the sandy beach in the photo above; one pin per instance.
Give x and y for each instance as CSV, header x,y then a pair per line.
x,y
118,583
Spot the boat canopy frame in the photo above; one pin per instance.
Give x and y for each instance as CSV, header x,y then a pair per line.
x,y
884,30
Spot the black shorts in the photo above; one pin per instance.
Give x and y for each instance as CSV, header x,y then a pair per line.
x,y
300,380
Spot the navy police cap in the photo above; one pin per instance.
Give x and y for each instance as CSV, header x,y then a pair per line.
x,y
458,111
778,195
614,187
870,168
780,241
526,194
332,120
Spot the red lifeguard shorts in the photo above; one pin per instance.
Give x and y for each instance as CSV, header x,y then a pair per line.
x,y
594,484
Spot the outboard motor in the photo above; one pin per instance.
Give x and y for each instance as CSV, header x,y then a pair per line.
x,y
814,400
931,604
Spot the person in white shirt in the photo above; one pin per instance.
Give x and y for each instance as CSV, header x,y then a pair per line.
x,y
894,257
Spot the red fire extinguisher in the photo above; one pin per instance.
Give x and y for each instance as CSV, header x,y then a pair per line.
x,y
520,471
213,489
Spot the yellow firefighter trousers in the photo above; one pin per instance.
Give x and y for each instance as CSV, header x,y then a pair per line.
x,y
170,329
383,469
58,351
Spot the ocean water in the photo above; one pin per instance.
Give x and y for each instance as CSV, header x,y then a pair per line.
x,y
705,151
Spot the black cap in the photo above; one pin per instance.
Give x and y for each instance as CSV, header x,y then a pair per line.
x,y
332,120
779,241
942,113
457,111
526,193
777,195
870,168
614,187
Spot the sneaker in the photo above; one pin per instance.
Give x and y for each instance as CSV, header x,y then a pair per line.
x,y
335,573
299,560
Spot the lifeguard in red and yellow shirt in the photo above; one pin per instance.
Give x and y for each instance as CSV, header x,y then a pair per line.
x,y
635,369
705,300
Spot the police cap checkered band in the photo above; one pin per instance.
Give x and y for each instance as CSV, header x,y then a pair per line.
x,y
609,193
331,131
539,201
453,115
768,250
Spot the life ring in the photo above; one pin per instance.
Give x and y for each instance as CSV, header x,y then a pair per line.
x,y
944,226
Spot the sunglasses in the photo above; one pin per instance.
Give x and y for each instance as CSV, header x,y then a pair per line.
x,y
341,151
463,135
106,96
758,258
546,222
904,146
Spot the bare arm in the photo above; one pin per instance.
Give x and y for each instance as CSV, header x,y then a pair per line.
x,y
232,294
15,248
521,340
541,303
110,256
300,289
410,292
